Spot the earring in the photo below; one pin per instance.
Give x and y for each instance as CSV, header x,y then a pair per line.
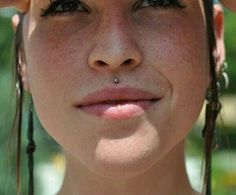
x,y
30,149
18,91
223,74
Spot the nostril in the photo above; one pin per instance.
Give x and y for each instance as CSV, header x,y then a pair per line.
x,y
101,63
127,62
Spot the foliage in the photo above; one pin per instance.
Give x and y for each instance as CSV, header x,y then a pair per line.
x,y
230,43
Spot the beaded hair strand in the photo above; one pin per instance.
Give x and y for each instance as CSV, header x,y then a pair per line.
x,y
17,121
213,106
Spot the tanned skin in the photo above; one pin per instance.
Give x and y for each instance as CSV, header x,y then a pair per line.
x,y
22,5
230,4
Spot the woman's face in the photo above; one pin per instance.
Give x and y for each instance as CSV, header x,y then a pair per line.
x,y
162,50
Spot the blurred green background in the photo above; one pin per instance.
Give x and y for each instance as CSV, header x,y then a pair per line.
x,y
49,161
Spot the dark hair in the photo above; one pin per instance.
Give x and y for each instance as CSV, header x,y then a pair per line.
x,y
212,108
18,116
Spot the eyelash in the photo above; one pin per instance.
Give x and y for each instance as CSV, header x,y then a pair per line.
x,y
161,4
53,4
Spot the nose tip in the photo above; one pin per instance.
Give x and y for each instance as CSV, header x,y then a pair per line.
x,y
114,47
115,56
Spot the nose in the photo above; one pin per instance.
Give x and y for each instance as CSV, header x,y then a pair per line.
x,y
114,48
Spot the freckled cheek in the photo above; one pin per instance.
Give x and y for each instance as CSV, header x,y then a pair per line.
x,y
183,62
53,60
180,55
187,71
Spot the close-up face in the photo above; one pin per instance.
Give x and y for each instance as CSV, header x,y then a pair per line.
x,y
76,48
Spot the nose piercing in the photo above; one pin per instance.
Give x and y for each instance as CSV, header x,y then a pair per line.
x,y
116,80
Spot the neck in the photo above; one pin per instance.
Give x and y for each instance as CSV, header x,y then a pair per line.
x,y
167,176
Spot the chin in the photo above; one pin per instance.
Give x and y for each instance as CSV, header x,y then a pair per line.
x,y
125,158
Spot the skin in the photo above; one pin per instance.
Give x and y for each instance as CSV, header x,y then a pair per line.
x,y
168,52
21,5
230,4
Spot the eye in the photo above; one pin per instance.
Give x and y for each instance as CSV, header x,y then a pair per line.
x,y
58,7
159,4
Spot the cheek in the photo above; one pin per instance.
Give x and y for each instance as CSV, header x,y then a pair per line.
x,y
179,54
52,61
187,69
52,58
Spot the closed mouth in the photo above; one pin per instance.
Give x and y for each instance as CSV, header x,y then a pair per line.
x,y
120,101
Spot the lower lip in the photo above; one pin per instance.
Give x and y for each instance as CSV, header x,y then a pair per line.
x,y
120,110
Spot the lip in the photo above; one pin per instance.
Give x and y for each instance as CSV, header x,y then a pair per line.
x,y
118,103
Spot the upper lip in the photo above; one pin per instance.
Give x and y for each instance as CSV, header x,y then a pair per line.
x,y
117,94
